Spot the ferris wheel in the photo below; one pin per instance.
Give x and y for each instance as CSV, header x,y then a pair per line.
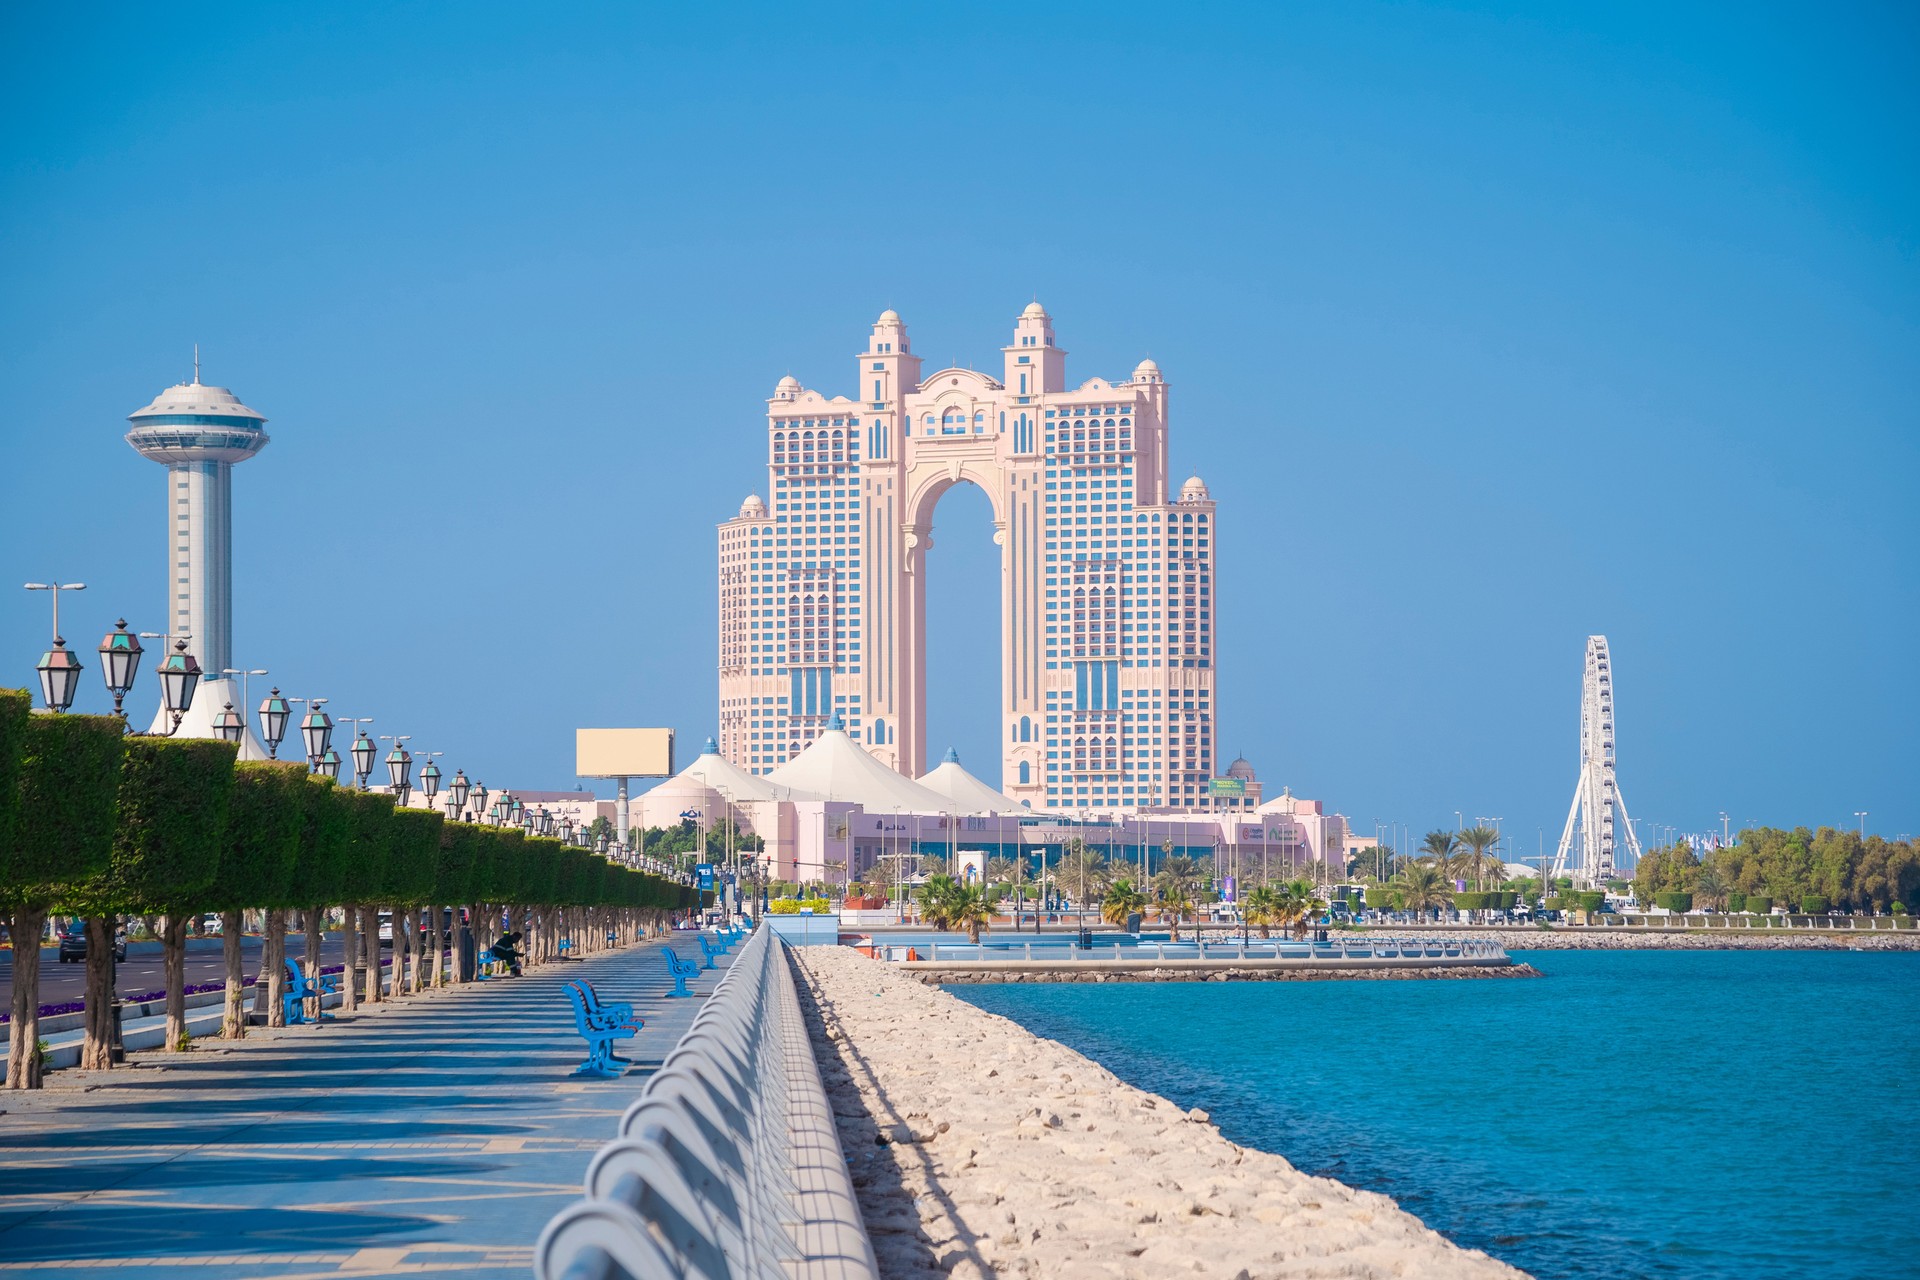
x,y
1596,795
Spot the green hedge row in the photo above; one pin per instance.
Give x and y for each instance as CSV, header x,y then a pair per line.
x,y
96,822
1678,903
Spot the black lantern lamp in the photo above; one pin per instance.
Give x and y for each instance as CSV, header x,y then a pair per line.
x,y
429,779
566,828
363,750
274,714
543,823
458,790
228,726
316,727
479,798
59,670
399,765
327,763
179,677
600,845
119,661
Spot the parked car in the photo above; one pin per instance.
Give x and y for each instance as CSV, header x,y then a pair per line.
x,y
73,943
386,928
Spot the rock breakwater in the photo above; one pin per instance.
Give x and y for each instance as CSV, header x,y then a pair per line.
x,y
980,1149
1701,940
940,975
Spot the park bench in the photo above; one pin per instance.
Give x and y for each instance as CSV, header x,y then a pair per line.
x,y
301,989
679,970
599,1030
710,951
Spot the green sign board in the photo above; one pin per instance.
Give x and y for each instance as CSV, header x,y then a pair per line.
x,y
1227,787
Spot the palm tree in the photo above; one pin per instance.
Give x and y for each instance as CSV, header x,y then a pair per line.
x,y
1476,858
1298,905
1083,870
1422,888
1175,906
1262,910
937,898
1180,873
1711,888
1121,902
1439,848
969,908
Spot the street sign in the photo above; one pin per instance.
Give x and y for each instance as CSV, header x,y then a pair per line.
x,y
705,871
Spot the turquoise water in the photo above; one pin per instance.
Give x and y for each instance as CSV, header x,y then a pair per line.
x,y
1633,1113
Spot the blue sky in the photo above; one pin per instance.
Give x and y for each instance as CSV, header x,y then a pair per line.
x,y
1488,326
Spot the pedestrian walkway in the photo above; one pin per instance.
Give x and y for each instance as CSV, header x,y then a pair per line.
x,y
435,1134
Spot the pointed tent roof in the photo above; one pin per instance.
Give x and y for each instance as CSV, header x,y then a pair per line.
x,y
721,775
966,793
835,767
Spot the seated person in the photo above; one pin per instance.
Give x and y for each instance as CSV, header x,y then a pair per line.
x,y
505,952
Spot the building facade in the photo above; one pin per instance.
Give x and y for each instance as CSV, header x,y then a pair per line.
x,y
1108,573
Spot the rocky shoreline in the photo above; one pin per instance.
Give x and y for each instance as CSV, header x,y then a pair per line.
x,y
960,976
1697,940
980,1149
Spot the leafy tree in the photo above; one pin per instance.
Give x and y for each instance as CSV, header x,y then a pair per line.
x,y
65,773
1422,888
265,818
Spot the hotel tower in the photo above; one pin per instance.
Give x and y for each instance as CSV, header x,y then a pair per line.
x,y
1106,573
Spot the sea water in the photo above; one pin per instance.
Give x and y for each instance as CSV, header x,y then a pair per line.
x,y
1633,1113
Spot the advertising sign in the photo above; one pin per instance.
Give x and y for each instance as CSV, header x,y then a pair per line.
x,y
1229,787
704,870
623,753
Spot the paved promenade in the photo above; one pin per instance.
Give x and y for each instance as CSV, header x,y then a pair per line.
x,y
436,1134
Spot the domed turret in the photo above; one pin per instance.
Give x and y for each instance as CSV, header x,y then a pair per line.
x,y
889,316
787,388
1194,490
1146,371
1034,311
753,508
1241,768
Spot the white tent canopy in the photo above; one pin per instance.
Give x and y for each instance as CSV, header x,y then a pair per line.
x,y
835,767
721,775
966,794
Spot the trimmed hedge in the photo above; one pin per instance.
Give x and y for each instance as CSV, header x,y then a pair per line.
x,y
369,832
69,787
1813,904
1736,902
175,794
1378,897
1591,900
16,705
1760,904
1471,900
265,820
1678,903
413,856
319,864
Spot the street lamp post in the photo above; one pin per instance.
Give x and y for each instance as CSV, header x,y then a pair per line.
x,y
179,677
228,726
457,792
316,732
59,668
119,660
274,711
362,751
399,763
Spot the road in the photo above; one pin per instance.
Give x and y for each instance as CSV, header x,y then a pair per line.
x,y
144,969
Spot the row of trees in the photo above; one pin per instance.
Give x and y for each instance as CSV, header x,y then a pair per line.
x,y
98,824
1834,865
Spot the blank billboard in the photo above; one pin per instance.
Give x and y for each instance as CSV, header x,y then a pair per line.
x,y
623,753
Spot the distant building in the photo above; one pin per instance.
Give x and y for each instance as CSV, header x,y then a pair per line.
x,y
1108,590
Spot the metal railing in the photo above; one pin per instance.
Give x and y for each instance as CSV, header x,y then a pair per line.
x,y
728,1165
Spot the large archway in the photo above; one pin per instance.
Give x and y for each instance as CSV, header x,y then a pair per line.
x,y
964,627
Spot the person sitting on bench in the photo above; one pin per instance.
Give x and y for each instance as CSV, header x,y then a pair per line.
x,y
504,952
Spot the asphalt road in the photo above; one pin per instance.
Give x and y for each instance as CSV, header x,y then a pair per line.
x,y
141,972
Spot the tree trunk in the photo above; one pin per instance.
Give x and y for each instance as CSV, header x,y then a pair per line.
x,y
370,940
174,943
233,1021
406,969
273,969
96,1050
316,918
350,944
26,928
441,942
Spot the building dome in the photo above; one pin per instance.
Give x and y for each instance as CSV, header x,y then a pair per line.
x,y
197,398
1034,311
753,507
1241,768
788,387
1194,490
1146,371
889,316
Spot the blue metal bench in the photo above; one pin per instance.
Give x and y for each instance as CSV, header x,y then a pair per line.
x,y
599,1030
300,989
708,950
679,970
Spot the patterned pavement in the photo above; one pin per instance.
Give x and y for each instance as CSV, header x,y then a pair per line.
x,y
436,1134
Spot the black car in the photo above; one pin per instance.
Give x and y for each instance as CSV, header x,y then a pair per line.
x,y
73,944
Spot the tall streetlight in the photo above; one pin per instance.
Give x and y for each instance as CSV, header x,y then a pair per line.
x,y
480,802
430,774
316,731
246,674
1862,815
362,750
457,792
229,727
179,677
119,661
59,668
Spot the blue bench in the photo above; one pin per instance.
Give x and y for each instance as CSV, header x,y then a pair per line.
x,y
300,989
679,970
599,1029
710,951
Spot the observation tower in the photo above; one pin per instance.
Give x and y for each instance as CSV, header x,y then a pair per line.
x,y
198,433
